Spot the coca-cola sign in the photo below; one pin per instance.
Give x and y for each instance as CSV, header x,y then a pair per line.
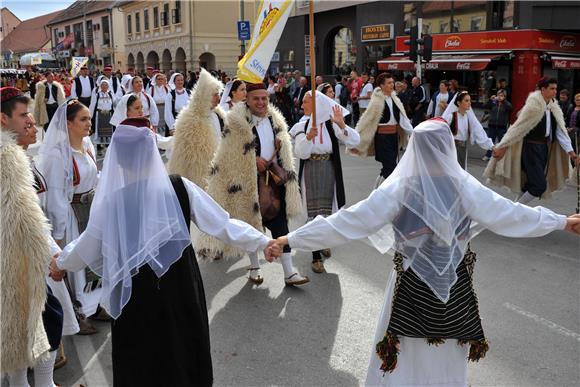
x,y
568,41
566,64
463,66
393,66
453,42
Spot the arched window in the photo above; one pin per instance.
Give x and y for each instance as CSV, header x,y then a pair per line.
x,y
342,52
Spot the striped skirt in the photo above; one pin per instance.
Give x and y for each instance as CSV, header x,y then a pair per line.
x,y
161,124
319,186
104,130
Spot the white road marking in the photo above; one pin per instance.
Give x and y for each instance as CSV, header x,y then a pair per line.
x,y
552,254
92,360
547,323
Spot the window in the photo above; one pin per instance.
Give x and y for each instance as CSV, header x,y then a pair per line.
x,y
177,13
155,17
78,32
129,28
476,23
89,29
410,15
343,55
508,14
67,30
443,27
456,25
146,19
106,30
165,15
137,22
56,35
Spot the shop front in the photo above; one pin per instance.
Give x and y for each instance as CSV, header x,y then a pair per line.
x,y
479,59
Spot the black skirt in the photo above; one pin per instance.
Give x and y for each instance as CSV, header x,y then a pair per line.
x,y
162,335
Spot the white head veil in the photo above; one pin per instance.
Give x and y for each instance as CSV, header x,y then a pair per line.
x,y
171,82
126,82
324,105
55,146
432,227
453,108
135,216
120,113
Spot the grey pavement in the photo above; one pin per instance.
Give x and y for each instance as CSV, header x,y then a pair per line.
x,y
322,333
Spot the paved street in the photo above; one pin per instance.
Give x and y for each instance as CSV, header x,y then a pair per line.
x,y
321,334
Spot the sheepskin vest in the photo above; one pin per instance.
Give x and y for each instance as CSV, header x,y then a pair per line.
x,y
25,258
507,171
367,125
233,181
195,141
40,114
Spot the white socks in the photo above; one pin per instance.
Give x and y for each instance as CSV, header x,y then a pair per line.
x,y
287,264
43,371
18,378
526,198
254,261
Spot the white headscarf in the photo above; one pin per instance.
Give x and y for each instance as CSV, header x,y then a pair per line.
x,y
471,117
226,95
126,82
120,113
135,217
432,227
55,146
324,105
171,82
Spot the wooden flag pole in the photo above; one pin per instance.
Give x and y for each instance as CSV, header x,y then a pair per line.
x,y
312,63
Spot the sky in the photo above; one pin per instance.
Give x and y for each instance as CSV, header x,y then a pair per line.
x,y
26,9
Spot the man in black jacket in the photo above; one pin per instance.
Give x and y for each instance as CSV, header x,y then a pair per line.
x,y
298,97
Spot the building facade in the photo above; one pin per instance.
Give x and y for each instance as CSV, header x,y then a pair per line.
x,y
9,22
92,29
183,35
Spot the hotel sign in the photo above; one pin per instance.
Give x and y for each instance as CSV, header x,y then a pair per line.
x,y
377,32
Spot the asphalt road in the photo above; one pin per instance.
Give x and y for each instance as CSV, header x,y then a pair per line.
x,y
321,334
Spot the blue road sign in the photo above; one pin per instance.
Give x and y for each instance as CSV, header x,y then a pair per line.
x,y
244,30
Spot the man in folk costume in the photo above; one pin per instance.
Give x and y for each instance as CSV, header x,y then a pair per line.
x,y
31,317
83,86
254,179
150,72
532,158
115,84
320,172
49,96
102,108
197,136
383,127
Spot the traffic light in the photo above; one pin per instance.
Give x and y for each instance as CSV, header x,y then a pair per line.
x,y
412,42
427,48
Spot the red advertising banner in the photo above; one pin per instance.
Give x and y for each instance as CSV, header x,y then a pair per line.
x,y
566,63
501,40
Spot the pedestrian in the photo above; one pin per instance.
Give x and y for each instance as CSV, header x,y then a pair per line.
x,y
298,96
454,87
272,88
499,118
284,103
574,124
32,317
326,89
465,126
566,105
365,94
49,96
176,100
234,92
83,86
439,100
102,107
67,162
382,126
503,85
159,91
536,148
254,179
150,274
198,131
355,87
320,172
418,101
67,86
430,326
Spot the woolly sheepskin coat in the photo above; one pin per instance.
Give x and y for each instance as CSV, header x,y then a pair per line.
x,y
233,180
195,143
367,125
507,171
40,114
24,261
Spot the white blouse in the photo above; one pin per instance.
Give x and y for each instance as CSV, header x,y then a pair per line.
x,y
207,215
105,103
181,101
158,93
476,134
303,147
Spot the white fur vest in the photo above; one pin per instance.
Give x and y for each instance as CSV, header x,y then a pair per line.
x,y
367,125
507,171
195,141
24,262
40,114
233,181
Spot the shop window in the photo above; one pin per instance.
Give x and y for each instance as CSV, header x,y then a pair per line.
x,y
427,29
476,23
508,14
443,27
410,15
456,25
343,52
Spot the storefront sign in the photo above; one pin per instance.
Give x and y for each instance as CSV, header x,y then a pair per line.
x,y
566,64
377,32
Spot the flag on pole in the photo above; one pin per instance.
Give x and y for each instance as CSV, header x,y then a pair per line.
x,y
76,64
270,22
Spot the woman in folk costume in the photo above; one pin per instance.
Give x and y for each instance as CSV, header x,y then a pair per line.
x,y
176,100
159,92
67,162
130,106
532,159
465,126
101,109
429,325
149,107
253,177
138,241
320,172
31,316
383,127
198,131
234,92
171,82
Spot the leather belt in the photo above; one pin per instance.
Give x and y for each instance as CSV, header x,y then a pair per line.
x,y
387,129
460,142
320,157
82,198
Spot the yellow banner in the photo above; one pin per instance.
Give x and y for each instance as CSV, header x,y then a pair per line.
x,y
270,22
76,64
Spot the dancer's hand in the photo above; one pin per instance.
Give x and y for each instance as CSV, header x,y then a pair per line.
x,y
338,117
498,153
282,241
55,273
272,251
262,164
575,159
313,132
573,224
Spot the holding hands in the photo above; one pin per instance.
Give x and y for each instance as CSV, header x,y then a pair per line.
x,y
55,273
573,224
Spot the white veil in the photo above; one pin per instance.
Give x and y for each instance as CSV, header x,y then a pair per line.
x,y
226,95
120,113
432,227
135,216
324,105
171,82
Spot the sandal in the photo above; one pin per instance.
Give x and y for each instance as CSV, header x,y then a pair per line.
x,y
255,275
86,328
296,279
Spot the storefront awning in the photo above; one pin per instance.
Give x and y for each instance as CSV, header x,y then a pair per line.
x,y
470,62
566,62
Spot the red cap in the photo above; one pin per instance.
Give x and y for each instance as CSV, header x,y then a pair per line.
x,y
108,67
254,86
156,71
7,93
130,69
149,68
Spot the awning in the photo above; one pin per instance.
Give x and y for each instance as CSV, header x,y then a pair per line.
x,y
471,62
566,62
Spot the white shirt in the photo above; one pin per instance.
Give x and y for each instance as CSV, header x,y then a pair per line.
x,y
438,111
181,101
561,134
304,148
216,125
389,101
86,88
106,103
266,135
337,91
364,103
476,134
158,93
207,215
491,210
51,98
